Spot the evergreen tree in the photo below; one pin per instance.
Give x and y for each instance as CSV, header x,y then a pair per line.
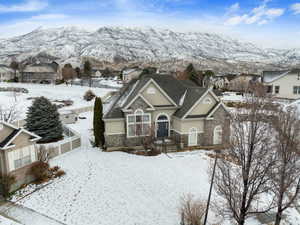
x,y
208,75
98,123
43,120
191,73
87,69
78,72
148,70
15,66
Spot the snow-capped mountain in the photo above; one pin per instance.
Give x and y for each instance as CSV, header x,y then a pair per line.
x,y
69,44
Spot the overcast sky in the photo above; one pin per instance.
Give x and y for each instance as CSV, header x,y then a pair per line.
x,y
268,23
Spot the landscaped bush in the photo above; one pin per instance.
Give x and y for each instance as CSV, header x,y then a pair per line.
x,y
89,95
153,152
41,171
59,173
192,210
6,182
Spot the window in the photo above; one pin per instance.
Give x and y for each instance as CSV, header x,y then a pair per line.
x,y
151,91
207,101
296,90
22,157
277,89
218,135
269,89
138,124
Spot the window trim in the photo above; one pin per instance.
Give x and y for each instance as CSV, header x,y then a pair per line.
x,y
138,112
151,91
217,129
296,90
193,130
207,101
22,157
167,120
277,89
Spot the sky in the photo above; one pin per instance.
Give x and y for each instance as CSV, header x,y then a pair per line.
x,y
267,23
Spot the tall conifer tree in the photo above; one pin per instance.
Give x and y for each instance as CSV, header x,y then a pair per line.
x,y
43,120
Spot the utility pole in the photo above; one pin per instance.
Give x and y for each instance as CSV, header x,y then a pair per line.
x,y
211,186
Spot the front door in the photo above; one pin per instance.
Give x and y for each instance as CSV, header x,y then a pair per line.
x,y
162,129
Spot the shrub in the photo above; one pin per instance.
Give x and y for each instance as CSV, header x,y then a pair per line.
x,y
7,181
58,82
89,95
192,210
41,171
59,173
153,152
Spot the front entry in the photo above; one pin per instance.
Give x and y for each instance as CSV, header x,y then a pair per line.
x,y
162,126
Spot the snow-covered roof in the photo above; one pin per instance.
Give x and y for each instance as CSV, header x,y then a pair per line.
x,y
5,69
271,76
7,142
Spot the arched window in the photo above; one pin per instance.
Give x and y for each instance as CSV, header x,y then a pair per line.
x,y
151,91
138,124
207,100
218,135
162,126
162,118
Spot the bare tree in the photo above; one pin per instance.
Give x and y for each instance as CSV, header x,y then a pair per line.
x,y
191,210
242,176
10,113
286,176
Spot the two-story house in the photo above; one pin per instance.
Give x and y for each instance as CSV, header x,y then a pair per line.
x,y
283,84
170,108
41,73
18,153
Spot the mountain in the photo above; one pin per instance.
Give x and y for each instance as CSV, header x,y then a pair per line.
x,y
115,44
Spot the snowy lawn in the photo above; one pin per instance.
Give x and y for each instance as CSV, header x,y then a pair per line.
x,y
53,92
119,188
5,221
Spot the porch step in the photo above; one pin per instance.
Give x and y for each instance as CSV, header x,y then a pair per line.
x,y
168,146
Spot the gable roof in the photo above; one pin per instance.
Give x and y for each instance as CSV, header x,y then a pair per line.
x,y
192,95
41,68
184,93
6,143
271,76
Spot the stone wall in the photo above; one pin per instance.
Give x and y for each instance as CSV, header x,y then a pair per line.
x,y
184,139
120,140
220,118
23,176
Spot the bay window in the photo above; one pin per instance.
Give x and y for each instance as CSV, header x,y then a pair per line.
x,y
138,124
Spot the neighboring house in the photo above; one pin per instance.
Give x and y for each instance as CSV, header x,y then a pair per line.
x,y
283,84
170,108
242,81
223,81
6,73
18,153
41,73
129,74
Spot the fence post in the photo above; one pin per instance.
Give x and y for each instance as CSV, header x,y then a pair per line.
x,y
59,149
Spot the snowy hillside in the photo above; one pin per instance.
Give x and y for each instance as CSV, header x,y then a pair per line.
x,y
147,44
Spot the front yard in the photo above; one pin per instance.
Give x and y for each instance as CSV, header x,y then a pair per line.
x,y
119,188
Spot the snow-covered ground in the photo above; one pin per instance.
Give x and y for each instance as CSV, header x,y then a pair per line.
x,y
5,221
53,92
120,188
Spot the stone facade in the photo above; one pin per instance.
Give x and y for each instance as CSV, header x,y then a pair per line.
x,y
220,118
23,176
